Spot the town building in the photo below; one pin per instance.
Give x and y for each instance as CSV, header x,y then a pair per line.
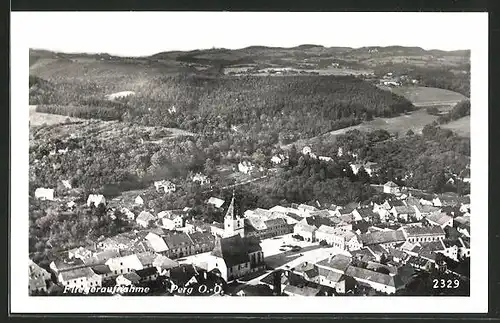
x,y
80,278
38,278
380,282
389,238
415,233
440,219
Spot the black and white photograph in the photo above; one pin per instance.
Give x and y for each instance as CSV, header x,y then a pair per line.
x,y
210,156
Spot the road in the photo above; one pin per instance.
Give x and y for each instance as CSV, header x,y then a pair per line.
x,y
238,184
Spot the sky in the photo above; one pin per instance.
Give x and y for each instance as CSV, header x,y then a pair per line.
x,y
147,33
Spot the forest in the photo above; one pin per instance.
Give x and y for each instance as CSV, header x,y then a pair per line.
x,y
282,109
461,109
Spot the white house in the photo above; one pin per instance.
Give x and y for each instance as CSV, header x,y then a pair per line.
x,y
80,278
378,281
96,199
144,219
123,265
165,186
217,202
245,167
305,230
276,160
139,200
440,219
391,188
44,194
157,243
200,178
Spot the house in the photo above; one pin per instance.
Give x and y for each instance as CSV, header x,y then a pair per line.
x,y
337,263
269,228
70,205
440,219
381,282
172,219
139,200
391,188
202,242
96,200
81,279
164,264
462,224
200,178
365,214
147,274
101,257
215,202
369,167
422,211
79,253
419,263
388,238
144,219
179,244
236,256
44,194
245,167
125,264
405,213
305,230
128,279
60,265
397,255
464,248
165,187
38,278
305,209
104,271
157,243
338,237
451,248
255,290
217,229
415,233
277,159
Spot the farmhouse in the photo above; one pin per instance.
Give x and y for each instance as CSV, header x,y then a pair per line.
x,y
215,202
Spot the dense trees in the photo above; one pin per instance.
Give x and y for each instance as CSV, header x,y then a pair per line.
x,y
461,109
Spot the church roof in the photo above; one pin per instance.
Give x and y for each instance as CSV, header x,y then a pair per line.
x,y
230,210
235,250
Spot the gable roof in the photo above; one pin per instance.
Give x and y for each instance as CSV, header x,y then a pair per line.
x,y
379,237
145,216
301,291
217,202
84,272
412,230
439,218
372,276
235,250
176,240
338,262
165,262
157,243
404,210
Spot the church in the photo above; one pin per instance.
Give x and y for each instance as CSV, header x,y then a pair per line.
x,y
235,255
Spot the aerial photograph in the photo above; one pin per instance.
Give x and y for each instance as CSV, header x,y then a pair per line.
x,y
312,170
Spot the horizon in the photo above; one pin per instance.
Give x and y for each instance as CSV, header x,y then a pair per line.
x,y
136,34
236,49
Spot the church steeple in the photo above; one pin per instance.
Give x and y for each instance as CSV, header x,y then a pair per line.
x,y
230,210
233,224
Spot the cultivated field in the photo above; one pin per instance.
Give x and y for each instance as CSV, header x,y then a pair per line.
x,y
38,119
427,96
460,126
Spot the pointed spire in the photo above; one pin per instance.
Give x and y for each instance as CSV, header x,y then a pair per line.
x,y
230,209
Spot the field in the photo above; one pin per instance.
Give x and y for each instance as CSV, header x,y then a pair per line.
x,y
427,96
38,119
460,126
415,121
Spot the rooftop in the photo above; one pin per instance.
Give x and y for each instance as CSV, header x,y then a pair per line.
x,y
338,262
382,237
413,230
373,276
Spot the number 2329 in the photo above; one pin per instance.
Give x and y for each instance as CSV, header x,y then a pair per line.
x,y
445,283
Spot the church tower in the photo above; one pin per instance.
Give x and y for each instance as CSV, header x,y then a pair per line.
x,y
233,224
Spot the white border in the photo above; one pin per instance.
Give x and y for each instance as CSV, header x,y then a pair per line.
x,y
476,39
